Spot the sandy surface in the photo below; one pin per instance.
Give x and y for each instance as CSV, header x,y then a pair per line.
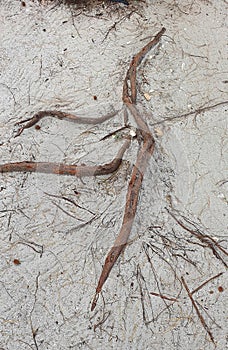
x,y
50,59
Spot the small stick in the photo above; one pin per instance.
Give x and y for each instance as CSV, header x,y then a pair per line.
x,y
205,239
70,201
63,115
163,296
63,169
205,326
114,132
204,283
196,112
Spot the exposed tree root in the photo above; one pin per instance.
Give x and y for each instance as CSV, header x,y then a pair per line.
x,y
62,115
144,154
146,148
63,169
132,70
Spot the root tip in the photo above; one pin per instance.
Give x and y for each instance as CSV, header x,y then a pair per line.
x,y
94,302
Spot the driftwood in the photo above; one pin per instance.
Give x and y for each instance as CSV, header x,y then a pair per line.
x,y
145,151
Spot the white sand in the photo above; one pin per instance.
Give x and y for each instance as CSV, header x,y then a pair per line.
x,y
49,60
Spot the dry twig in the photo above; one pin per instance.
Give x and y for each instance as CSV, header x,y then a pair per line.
x,y
163,296
207,240
203,322
196,112
207,281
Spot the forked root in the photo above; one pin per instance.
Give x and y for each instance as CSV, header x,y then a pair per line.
x,y
145,152
146,149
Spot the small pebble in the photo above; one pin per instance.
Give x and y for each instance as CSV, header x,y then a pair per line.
x,y
158,132
147,96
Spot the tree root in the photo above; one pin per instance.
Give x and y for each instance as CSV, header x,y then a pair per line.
x,y
62,115
63,169
145,152
129,97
